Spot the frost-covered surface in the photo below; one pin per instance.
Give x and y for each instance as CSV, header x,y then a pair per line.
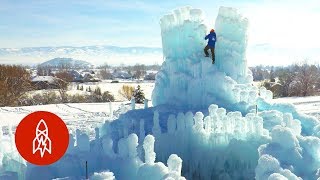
x,y
205,125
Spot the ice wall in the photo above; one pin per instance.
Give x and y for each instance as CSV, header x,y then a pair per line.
x,y
273,142
206,142
187,78
103,162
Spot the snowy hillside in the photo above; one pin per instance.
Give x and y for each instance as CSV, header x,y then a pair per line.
x,y
58,62
96,55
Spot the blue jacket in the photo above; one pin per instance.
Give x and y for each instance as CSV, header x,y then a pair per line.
x,y
211,39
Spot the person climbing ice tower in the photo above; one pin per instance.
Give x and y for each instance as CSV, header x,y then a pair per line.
x,y
212,38
187,78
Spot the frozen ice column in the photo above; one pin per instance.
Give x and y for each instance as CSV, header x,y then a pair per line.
x,y
148,146
231,28
182,33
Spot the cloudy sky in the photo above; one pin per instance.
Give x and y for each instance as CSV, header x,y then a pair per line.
x,y
281,31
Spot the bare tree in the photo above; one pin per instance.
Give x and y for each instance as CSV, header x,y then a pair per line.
x,y
139,70
105,74
126,91
286,77
306,79
63,81
44,70
14,82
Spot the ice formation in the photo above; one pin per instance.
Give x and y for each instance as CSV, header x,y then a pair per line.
x,y
208,122
188,78
187,133
103,162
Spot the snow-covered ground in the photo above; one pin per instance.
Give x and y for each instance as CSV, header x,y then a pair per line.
x,y
105,85
83,116
114,88
308,105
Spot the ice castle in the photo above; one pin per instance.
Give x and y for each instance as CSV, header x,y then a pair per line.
x,y
208,121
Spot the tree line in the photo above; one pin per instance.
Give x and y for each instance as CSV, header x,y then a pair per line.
x,y
14,84
137,71
299,79
16,87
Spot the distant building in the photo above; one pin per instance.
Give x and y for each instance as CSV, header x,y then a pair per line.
x,y
76,76
84,76
121,75
89,76
46,82
150,75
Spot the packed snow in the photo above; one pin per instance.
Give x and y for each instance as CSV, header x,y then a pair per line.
x,y
208,121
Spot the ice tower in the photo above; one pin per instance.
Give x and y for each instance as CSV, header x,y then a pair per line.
x,y
187,78
231,30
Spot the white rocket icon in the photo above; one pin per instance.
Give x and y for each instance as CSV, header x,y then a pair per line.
x,y
42,142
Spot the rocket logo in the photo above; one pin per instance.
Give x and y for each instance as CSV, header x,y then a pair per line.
x,y
42,138
42,142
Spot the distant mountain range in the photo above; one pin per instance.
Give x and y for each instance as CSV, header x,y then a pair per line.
x,y
93,54
257,54
58,62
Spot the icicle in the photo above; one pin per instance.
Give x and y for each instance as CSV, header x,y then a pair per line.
x,y
133,103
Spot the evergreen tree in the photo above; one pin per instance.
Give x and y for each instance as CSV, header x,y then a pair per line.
x,y
107,97
139,95
97,91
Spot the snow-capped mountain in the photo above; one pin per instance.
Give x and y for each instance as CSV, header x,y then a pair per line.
x,y
57,62
93,54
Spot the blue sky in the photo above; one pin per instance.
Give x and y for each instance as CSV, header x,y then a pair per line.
x,y
282,26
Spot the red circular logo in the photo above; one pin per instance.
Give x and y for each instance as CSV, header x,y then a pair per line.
x,y
42,138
